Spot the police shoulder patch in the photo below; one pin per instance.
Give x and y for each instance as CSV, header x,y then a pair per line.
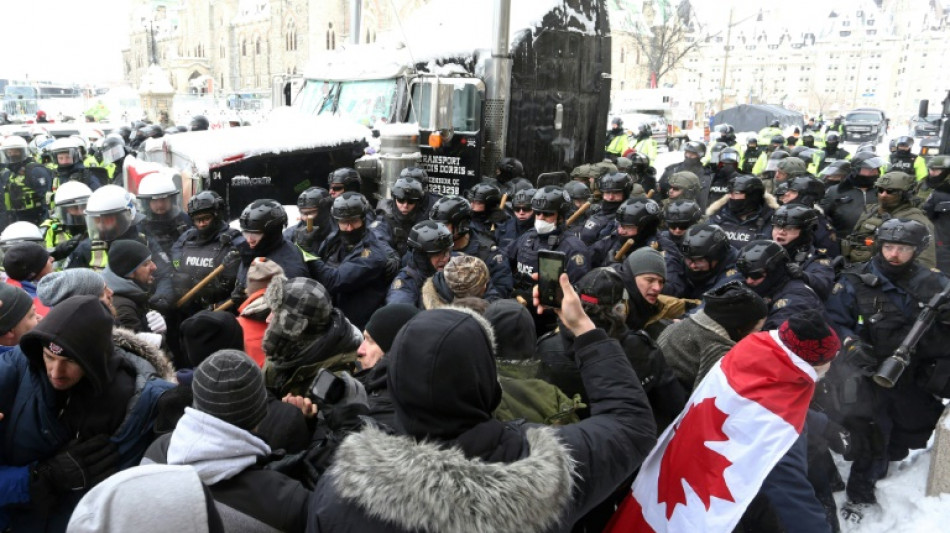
x,y
731,272
780,303
374,224
397,284
824,262
578,259
365,252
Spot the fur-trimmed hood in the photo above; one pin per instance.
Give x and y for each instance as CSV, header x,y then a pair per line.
x,y
721,202
430,296
422,486
130,342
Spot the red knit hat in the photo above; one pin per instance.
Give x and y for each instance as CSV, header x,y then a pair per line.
x,y
808,335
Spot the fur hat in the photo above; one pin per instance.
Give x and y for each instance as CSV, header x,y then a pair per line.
x,y
300,306
260,273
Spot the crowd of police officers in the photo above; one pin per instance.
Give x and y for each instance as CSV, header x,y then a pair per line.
x,y
799,219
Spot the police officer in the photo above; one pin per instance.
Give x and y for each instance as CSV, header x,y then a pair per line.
x,y
685,185
209,242
509,176
644,142
771,131
794,227
67,228
903,160
637,220
727,134
313,206
551,205
705,261
25,183
726,169
69,165
615,188
693,153
677,217
521,207
640,171
430,244
834,173
455,213
159,199
420,175
393,227
262,225
937,207
845,202
353,264
616,139
110,217
746,212
113,153
762,164
750,155
788,168
580,195
344,179
488,217
832,152
894,194
764,266
808,191
873,307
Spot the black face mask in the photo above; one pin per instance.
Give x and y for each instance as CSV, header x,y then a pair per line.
x,y
743,207
351,238
831,147
774,280
893,272
934,182
865,182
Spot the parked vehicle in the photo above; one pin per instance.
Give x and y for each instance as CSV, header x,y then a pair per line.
x,y
865,124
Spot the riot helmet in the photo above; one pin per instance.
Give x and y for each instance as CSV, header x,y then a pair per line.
x,y
836,171
453,210
578,191
704,248
60,148
902,231
696,148
159,196
199,123
18,232
110,213
344,179
776,142
794,217
430,237
898,187
832,140
551,199
939,170
763,259
264,216
349,205
639,164
313,198
729,156
808,190
903,143
641,212
616,123
808,139
15,150
207,203
774,158
754,191
616,182
508,169
70,200
113,149
409,192
716,151
681,214
521,201
644,131
418,173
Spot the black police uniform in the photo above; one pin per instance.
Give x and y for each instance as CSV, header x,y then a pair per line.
x,y
482,248
844,204
25,186
600,222
355,275
937,208
167,232
194,257
867,305
524,257
682,285
742,232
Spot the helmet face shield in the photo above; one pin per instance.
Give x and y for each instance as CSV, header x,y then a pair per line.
x,y
108,226
73,213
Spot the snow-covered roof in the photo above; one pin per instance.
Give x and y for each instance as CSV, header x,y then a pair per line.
x,y
284,131
431,33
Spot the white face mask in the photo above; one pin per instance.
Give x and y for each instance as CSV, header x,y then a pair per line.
x,y
544,227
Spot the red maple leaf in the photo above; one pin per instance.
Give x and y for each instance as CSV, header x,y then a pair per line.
x,y
688,458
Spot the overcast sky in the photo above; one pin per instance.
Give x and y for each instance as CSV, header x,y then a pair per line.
x,y
81,40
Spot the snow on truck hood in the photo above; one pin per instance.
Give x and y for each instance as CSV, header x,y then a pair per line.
x,y
284,131
430,34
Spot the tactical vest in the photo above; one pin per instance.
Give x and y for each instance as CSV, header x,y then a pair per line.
x,y
902,163
527,258
750,157
197,261
858,247
18,194
400,234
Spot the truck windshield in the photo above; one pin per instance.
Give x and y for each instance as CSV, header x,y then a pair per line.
x,y
13,92
365,101
866,117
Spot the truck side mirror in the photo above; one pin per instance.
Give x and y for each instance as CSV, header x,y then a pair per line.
x,y
559,117
444,107
922,109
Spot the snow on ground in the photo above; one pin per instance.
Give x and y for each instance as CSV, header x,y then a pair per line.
x,y
901,494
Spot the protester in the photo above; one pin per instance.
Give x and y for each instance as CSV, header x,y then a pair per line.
x,y
378,339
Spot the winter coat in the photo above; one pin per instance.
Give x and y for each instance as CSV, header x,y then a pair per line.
x,y
226,457
32,429
251,316
334,349
548,479
679,284
377,392
130,301
356,278
743,231
285,254
692,346
844,203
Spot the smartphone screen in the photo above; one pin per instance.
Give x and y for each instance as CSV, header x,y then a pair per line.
x,y
550,267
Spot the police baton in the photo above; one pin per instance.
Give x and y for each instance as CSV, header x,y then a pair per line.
x,y
577,214
623,250
228,260
504,200
309,224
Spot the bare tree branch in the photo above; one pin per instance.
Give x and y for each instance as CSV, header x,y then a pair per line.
x,y
665,46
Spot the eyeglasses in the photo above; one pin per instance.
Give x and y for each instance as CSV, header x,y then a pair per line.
x,y
411,201
680,227
336,187
545,214
758,274
891,192
522,209
202,219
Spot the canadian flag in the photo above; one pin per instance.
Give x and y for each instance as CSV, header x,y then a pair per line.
x,y
709,464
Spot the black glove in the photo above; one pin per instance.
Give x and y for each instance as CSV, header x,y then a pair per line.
x,y
841,441
794,270
161,304
393,265
63,249
859,355
305,238
80,466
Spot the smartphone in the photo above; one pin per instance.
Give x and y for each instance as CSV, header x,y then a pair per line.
x,y
550,267
327,389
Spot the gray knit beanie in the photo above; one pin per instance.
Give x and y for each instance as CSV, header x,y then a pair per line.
x,y
57,286
646,260
229,385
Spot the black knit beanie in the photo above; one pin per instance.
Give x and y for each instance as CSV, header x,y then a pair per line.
x,y
734,305
126,255
387,321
